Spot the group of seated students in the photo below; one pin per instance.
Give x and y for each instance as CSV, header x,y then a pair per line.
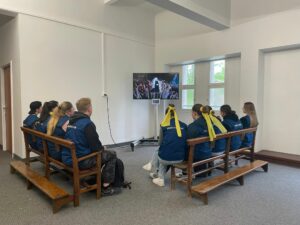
x,y
62,121
174,133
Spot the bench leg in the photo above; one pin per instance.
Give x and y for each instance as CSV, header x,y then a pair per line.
x,y
204,198
173,178
58,203
265,167
29,185
236,162
240,180
98,191
76,190
12,170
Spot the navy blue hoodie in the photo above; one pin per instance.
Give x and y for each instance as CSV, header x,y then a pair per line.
x,y
172,147
198,129
232,123
248,139
30,122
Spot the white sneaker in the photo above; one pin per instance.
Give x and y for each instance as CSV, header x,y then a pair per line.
x,y
158,181
147,166
153,175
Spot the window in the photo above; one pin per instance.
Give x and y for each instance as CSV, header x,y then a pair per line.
x,y
216,84
188,86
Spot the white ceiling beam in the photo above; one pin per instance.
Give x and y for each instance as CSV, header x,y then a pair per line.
x,y
110,2
193,11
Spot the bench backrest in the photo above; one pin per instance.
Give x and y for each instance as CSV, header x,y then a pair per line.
x,y
58,142
195,141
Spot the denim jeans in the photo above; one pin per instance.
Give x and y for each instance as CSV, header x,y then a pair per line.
x,y
160,166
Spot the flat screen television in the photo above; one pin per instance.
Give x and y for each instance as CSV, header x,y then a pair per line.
x,y
156,86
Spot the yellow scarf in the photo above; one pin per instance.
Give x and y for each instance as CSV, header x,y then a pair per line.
x,y
217,122
167,119
210,127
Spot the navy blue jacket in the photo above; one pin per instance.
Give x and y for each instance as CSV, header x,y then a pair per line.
x,y
82,132
58,132
41,127
30,122
232,123
172,147
220,145
199,129
248,139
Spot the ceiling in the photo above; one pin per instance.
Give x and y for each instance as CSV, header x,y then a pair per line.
x,y
142,4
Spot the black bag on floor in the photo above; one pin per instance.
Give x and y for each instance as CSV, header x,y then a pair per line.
x,y
119,176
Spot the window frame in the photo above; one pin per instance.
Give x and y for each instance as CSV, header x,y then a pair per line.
x,y
218,84
187,86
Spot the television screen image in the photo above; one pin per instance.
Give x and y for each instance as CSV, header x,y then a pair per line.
x,y
156,86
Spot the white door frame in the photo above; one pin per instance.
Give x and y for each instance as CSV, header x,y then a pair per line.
x,y
3,106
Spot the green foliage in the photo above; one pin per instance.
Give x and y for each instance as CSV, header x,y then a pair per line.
x,y
220,76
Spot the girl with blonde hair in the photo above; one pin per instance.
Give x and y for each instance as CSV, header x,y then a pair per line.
x,y
249,121
57,125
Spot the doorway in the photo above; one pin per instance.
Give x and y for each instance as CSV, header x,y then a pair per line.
x,y
6,109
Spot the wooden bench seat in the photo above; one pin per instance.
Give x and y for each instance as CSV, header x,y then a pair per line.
x,y
73,171
224,160
58,195
237,174
181,166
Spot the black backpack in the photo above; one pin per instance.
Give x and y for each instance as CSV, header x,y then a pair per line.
x,y
119,176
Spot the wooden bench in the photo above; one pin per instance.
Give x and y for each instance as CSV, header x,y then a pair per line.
x,y
58,195
226,158
74,172
237,174
28,149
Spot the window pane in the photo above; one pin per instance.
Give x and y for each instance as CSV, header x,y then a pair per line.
x,y
216,98
187,98
217,71
188,77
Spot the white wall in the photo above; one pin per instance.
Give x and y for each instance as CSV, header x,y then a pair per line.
x,y
130,22
281,96
277,30
9,52
130,118
64,62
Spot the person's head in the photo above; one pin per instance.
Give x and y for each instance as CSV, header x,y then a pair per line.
x,y
66,108
53,103
47,109
249,109
196,111
84,105
35,107
172,113
226,110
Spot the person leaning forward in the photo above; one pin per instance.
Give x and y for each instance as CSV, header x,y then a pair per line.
x,y
82,132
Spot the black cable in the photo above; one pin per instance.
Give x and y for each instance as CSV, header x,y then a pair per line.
x,y
108,120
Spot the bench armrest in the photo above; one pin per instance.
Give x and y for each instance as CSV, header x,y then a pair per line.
x,y
94,154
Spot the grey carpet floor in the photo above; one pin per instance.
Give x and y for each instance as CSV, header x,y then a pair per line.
x,y
266,198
